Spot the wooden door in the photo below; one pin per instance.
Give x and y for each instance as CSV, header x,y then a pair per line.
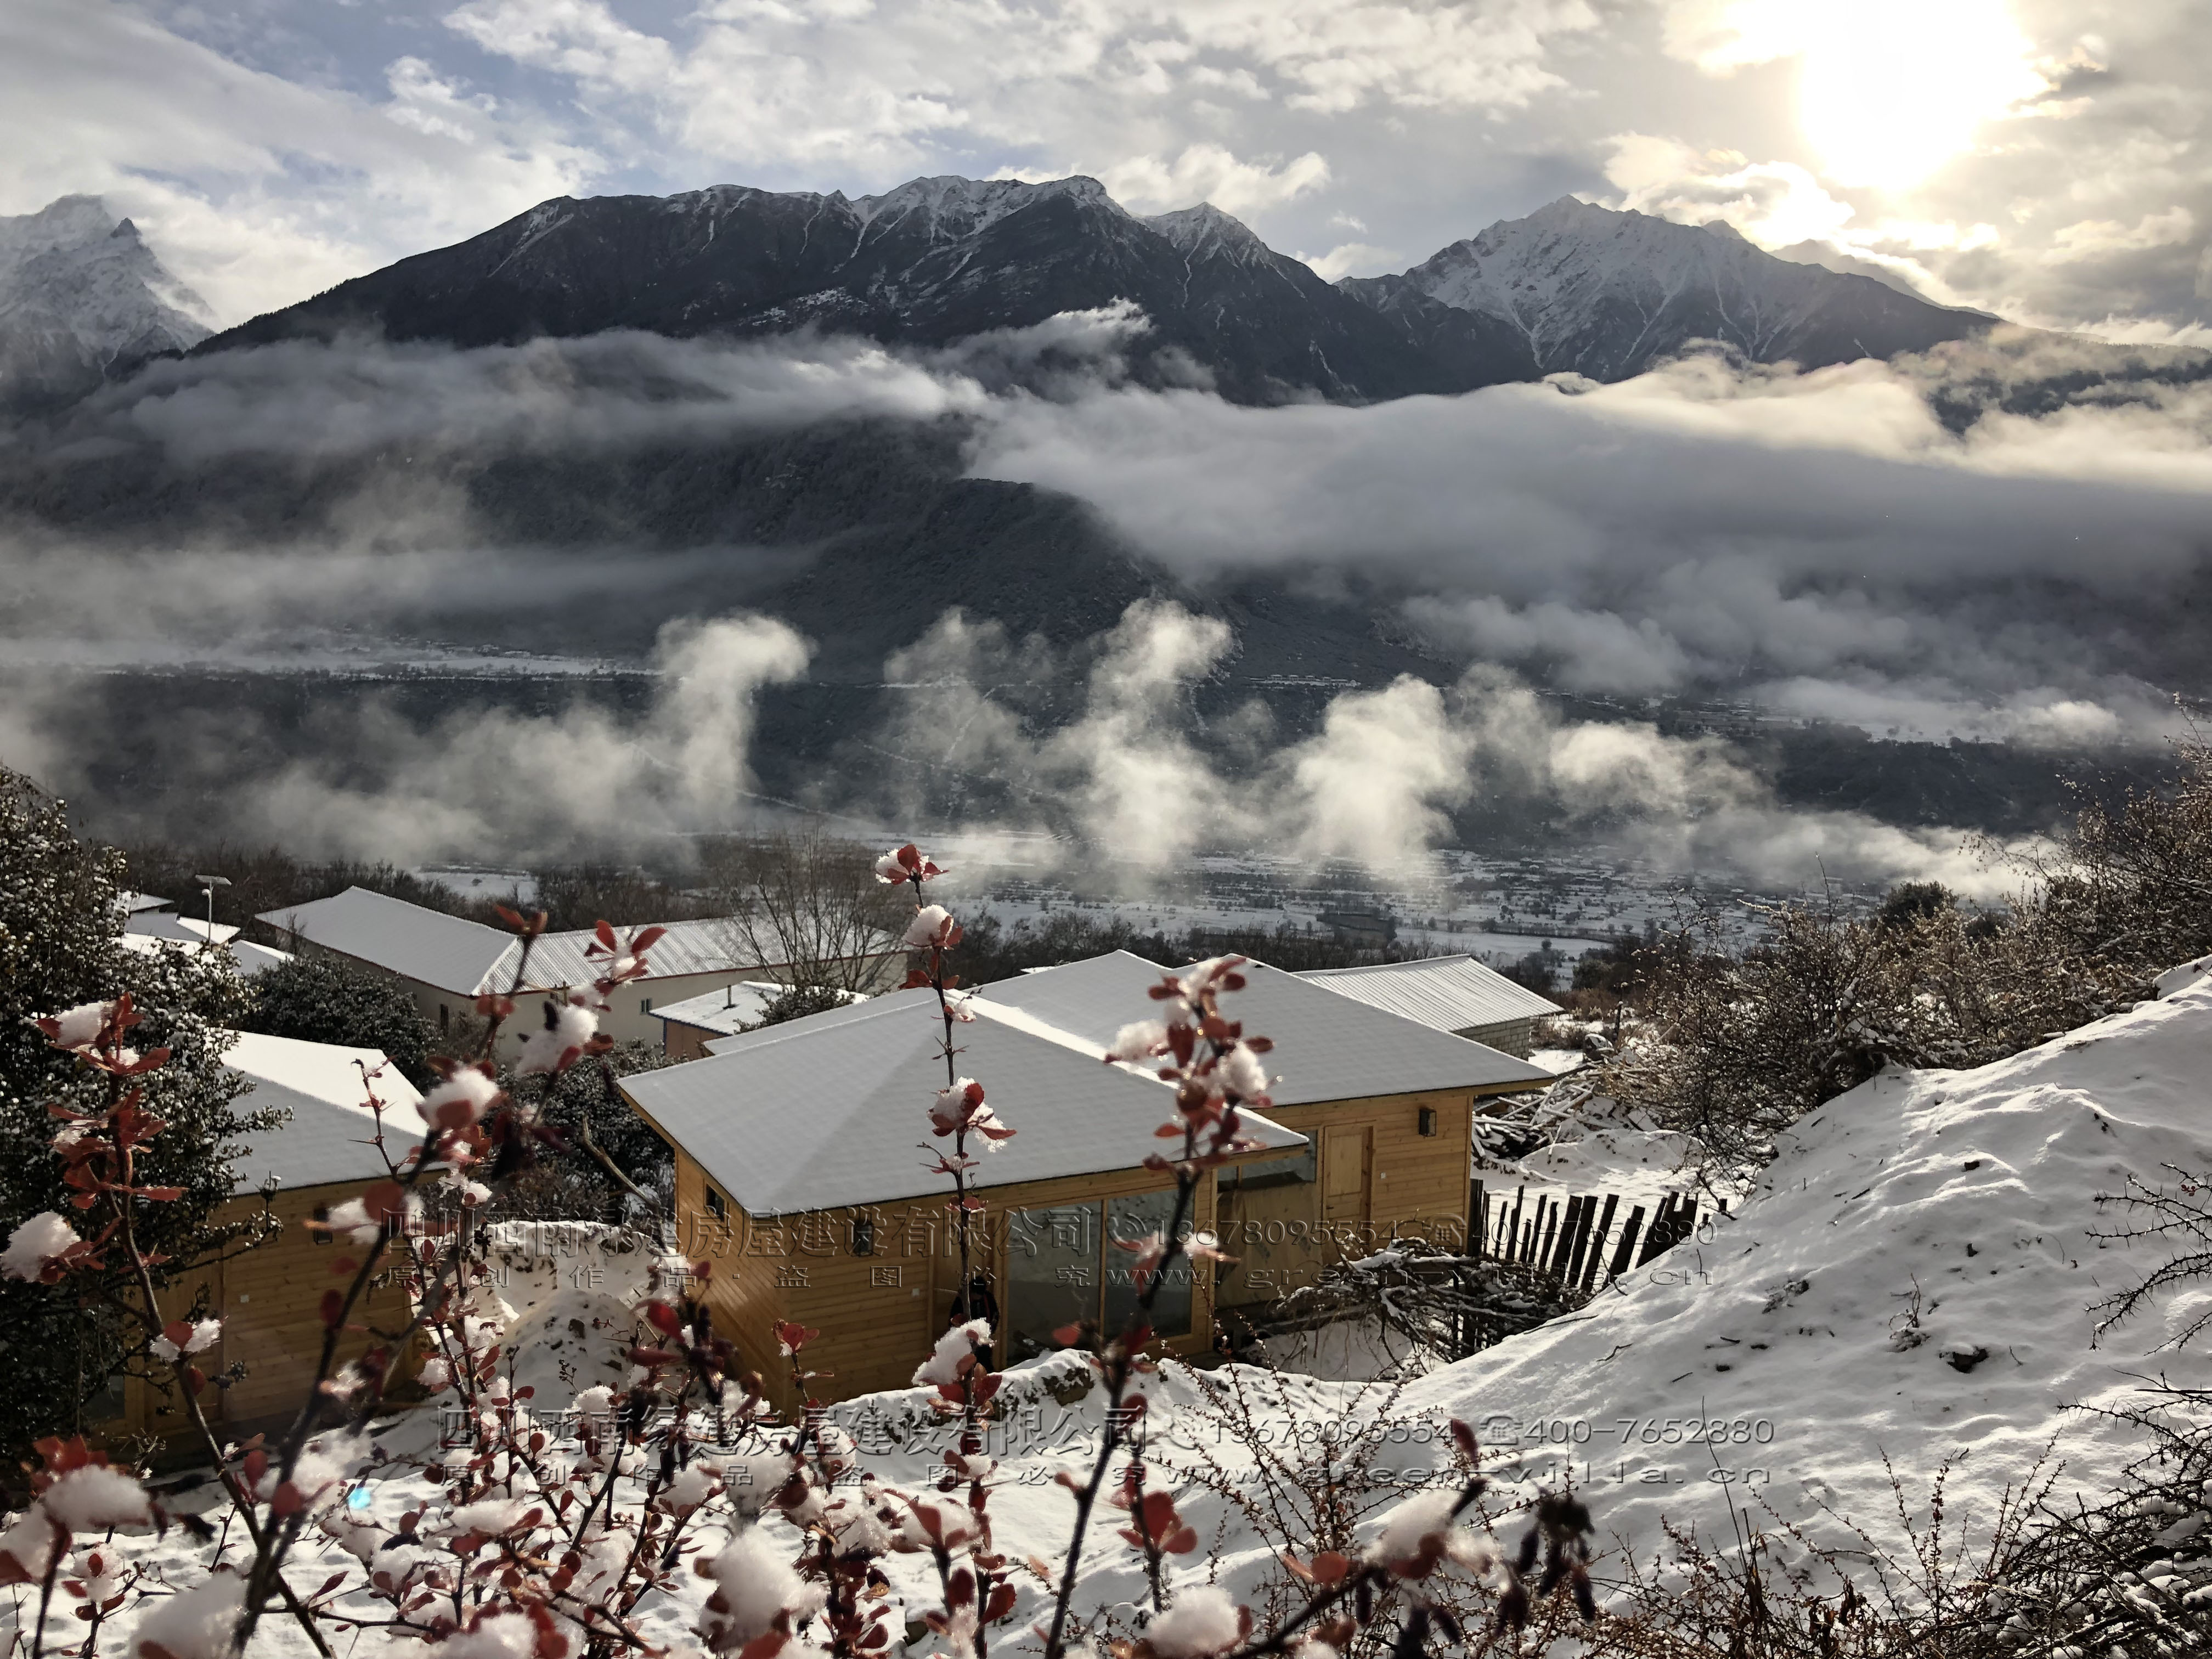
x,y
1345,1156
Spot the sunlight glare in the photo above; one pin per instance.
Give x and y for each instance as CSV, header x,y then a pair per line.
x,y
1889,90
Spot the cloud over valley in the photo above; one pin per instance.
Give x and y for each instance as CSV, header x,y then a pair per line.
x,y
1927,548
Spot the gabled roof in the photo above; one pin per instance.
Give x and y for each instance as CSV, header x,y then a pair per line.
x,y
1450,994
466,957
1327,1047
161,924
328,1138
729,1010
450,953
833,1109
247,957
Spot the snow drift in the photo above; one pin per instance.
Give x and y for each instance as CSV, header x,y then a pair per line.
x,y
1917,1277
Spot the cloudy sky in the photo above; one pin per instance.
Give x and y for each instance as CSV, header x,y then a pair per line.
x,y
2039,158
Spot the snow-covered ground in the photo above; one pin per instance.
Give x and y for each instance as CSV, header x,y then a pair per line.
x,y
1914,1280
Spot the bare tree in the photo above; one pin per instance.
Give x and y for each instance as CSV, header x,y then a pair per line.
x,y
806,906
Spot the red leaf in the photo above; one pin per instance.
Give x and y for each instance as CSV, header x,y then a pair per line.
x,y
288,1500
606,932
383,1200
662,1318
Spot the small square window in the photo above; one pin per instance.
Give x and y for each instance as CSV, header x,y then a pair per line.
x,y
645,1005
715,1205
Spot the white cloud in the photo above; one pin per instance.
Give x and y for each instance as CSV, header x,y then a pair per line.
x,y
1774,204
1208,173
256,189
1348,259
2086,237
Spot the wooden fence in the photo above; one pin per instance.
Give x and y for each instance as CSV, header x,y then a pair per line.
x,y
1575,1242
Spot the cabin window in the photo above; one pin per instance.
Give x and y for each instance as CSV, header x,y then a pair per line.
x,y
1064,1268
1269,1171
645,1005
322,1232
445,1018
716,1206
1428,1119
1129,1220
864,1235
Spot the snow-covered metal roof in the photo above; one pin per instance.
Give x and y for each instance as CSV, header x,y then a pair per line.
x,y
449,952
246,957
833,1109
1450,994
466,957
328,1138
134,903
161,924
730,1010
1327,1047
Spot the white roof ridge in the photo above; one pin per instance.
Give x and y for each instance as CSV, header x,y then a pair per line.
x,y
1385,967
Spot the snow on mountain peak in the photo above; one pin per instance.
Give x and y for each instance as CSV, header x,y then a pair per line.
x,y
83,297
1205,229
954,208
1602,292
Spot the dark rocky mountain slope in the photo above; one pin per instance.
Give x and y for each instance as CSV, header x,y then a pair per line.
x,y
938,260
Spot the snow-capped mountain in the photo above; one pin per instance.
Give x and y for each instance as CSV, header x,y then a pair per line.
x,y
937,260
1604,294
84,299
934,261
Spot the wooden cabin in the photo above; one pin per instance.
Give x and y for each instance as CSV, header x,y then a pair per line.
x,y
801,1153
269,1298
802,1175
1386,1104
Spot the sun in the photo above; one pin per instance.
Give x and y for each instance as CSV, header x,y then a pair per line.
x,y
1889,90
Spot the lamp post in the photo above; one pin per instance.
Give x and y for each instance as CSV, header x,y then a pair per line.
x,y
209,883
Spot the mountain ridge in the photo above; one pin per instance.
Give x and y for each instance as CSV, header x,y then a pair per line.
x,y
1571,288
83,300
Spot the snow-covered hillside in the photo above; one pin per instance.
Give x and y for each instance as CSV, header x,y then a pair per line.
x,y
1914,1279
83,298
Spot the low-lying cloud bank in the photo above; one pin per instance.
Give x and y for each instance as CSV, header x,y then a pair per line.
x,y
1895,545
1823,542
1134,786
1135,777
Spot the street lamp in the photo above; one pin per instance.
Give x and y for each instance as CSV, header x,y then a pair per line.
x,y
209,883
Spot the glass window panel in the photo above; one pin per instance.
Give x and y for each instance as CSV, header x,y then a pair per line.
x,y
1268,1171
1132,1220
1051,1273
